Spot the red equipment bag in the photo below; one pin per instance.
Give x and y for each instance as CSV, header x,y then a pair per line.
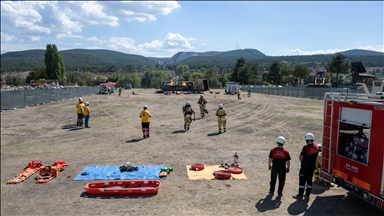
x,y
197,167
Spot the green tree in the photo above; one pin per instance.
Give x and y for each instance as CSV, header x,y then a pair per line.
x,y
235,74
36,73
15,80
285,71
180,69
300,72
186,75
197,75
223,79
274,76
337,65
130,78
113,78
245,74
54,63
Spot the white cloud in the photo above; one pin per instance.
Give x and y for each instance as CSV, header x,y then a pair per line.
x,y
29,20
298,51
122,43
173,41
78,44
6,37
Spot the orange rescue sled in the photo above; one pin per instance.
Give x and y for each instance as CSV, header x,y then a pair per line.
x,y
123,187
47,173
28,171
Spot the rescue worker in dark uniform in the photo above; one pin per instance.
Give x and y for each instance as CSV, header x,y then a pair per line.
x,y
307,158
278,163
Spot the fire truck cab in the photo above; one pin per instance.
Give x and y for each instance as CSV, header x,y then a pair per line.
x,y
353,143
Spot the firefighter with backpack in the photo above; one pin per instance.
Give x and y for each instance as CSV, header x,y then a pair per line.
x,y
202,102
220,113
187,111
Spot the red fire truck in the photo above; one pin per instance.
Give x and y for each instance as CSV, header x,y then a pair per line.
x,y
353,143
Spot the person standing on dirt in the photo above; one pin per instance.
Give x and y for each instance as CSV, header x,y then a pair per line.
x,y
238,94
187,111
221,120
278,163
87,114
308,157
120,91
249,93
145,115
80,112
202,102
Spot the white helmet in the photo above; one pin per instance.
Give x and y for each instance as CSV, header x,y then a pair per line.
x,y
87,103
319,146
309,136
201,96
80,98
220,106
188,103
281,140
145,107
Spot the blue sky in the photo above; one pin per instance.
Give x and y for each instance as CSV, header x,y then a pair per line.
x,y
161,29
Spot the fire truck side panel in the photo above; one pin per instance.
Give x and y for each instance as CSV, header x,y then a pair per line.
x,y
366,176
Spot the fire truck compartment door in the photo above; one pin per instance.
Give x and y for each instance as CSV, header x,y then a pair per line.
x,y
357,117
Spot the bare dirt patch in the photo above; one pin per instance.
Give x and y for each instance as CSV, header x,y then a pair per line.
x,y
47,132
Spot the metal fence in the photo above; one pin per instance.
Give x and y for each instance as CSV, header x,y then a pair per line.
x,y
26,98
299,91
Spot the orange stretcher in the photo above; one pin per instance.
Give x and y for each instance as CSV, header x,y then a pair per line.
x,y
47,173
28,171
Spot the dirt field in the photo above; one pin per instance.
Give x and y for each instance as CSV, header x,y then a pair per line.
x,y
48,132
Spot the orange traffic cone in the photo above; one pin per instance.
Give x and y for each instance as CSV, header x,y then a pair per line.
x,y
214,96
243,95
128,96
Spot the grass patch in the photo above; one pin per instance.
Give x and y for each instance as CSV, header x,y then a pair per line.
x,y
298,120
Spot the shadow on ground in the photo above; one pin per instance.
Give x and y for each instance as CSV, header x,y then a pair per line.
x,y
133,140
298,207
213,134
116,196
178,131
72,127
268,204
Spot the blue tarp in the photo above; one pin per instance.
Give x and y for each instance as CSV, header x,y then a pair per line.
x,y
145,172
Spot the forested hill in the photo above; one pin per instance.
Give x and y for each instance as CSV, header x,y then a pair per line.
x,y
361,52
74,59
109,61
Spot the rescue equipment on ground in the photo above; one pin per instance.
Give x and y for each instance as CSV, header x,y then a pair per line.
x,y
128,168
222,174
197,167
235,170
47,173
28,171
123,187
165,170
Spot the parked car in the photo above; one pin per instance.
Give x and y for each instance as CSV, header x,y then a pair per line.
x,y
128,86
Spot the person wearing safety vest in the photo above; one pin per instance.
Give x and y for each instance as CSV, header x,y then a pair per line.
x,y
308,157
221,120
80,112
145,115
202,102
278,163
87,114
238,94
187,111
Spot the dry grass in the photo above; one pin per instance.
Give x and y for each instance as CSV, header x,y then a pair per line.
x,y
47,133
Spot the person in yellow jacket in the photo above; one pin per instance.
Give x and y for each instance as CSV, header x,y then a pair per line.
x,y
238,94
80,112
87,114
220,113
145,115
187,111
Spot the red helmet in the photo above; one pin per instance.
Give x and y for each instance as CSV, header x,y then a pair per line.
x,y
81,101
